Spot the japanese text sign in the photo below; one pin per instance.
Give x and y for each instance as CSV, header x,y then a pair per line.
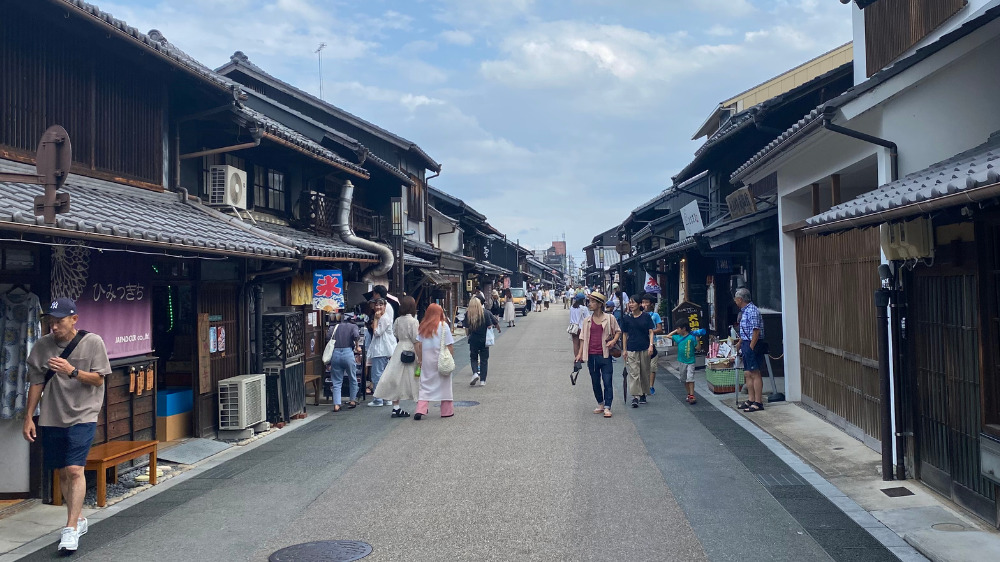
x,y
116,303
328,290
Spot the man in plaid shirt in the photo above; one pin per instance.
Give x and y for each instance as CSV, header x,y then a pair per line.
x,y
751,333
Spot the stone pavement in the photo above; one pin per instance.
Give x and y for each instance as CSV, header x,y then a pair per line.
x,y
528,474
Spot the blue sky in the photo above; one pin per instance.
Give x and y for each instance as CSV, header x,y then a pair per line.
x,y
550,117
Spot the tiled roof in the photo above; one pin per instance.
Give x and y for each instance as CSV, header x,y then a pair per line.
x,y
410,259
421,247
316,245
675,248
153,41
812,120
971,169
130,215
239,59
288,135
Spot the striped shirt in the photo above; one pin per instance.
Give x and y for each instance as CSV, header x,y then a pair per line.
x,y
750,320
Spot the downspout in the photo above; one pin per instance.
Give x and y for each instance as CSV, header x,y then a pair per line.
x,y
379,271
893,149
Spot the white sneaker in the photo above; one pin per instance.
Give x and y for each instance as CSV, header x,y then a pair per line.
x,y
70,540
475,379
482,383
375,403
81,526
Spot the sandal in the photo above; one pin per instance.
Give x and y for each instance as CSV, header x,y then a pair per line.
x,y
607,412
337,408
400,414
744,405
599,410
754,407
351,405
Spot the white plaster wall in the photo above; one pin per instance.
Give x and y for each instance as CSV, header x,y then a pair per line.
x,y
858,30
14,460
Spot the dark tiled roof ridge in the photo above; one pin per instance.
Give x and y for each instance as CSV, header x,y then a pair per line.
x,y
239,58
976,167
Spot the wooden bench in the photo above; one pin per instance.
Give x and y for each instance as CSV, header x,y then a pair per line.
x,y
317,383
108,456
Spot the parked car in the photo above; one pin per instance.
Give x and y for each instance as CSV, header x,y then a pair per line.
x,y
520,300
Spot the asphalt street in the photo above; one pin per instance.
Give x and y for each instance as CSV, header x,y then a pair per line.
x,y
530,473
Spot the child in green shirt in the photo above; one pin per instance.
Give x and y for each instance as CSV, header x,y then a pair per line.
x,y
687,343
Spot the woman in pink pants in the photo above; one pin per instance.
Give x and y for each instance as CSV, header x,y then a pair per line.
x,y
433,385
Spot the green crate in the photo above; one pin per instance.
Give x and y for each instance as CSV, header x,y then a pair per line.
x,y
723,381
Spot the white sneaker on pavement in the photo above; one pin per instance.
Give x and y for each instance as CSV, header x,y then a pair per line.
x,y
375,403
70,540
482,383
81,526
475,379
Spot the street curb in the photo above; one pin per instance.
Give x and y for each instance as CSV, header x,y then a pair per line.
x,y
879,531
199,468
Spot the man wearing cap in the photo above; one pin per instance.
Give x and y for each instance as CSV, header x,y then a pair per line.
x,y
73,394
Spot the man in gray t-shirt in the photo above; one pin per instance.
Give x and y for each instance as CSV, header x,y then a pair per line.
x,y
71,403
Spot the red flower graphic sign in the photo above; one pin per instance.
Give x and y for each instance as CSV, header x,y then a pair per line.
x,y
328,290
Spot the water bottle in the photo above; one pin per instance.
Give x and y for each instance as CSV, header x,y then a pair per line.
x,y
416,372
699,332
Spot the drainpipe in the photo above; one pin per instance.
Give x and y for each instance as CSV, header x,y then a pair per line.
x,y
376,273
258,327
255,132
893,149
885,409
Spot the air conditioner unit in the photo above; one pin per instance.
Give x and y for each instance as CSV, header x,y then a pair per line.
x,y
908,239
242,401
227,186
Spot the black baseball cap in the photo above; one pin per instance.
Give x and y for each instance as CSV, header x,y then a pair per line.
x,y
61,308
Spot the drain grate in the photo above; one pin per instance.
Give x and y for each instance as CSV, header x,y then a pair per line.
x,y
772,480
897,492
323,551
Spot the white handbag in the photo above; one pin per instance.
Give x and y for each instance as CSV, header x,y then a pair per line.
x,y
491,337
446,362
328,350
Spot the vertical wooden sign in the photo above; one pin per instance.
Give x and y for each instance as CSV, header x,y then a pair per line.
x,y
204,356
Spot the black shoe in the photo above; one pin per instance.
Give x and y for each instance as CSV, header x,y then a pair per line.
x,y
642,399
417,416
635,402
400,414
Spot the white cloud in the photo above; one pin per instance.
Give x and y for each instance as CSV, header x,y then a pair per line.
x,y
457,37
721,31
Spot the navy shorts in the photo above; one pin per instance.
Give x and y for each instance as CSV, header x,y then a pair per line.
x,y
66,446
751,360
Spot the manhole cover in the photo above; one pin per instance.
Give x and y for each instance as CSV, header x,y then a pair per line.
x,y
897,492
952,527
461,404
323,551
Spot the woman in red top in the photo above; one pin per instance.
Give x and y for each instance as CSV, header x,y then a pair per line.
x,y
598,333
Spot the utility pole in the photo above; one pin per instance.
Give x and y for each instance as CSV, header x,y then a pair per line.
x,y
319,55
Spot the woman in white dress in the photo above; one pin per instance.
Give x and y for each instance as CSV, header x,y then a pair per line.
x,y
433,385
509,312
398,381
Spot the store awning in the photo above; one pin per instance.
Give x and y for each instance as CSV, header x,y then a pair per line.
x,y
105,211
432,277
737,229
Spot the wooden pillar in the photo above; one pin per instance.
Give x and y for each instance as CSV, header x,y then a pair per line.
x,y
835,189
815,199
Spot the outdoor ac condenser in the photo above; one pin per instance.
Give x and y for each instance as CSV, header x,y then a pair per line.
x,y
227,186
242,401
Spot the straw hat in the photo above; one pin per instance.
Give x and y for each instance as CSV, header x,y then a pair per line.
x,y
598,296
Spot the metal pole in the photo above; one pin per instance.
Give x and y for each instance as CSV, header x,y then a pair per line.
x,y
258,328
882,319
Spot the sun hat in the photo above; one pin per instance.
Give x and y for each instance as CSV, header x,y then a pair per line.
x,y
598,296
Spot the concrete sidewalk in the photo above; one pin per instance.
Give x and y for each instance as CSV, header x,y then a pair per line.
x,y
933,525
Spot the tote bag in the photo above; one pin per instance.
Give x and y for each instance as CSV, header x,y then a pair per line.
x,y
446,362
491,337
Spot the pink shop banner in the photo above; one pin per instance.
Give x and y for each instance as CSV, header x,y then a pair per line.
x,y
113,296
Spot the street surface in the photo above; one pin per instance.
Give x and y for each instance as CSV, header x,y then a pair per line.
x,y
529,474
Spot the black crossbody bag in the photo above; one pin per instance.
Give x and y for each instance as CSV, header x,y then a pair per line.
x,y
66,353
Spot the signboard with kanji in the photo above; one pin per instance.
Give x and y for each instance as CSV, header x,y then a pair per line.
x,y
688,312
328,290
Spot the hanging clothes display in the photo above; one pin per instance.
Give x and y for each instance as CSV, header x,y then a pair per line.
x,y
20,328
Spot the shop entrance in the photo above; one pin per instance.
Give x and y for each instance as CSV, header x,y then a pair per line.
x,y
945,348
175,342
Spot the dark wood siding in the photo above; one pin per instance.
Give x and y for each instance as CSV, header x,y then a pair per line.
x,y
893,26
111,108
837,276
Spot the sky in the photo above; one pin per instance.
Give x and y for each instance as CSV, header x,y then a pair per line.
x,y
552,118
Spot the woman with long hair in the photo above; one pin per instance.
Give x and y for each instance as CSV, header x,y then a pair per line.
x,y
434,386
478,322
398,381
509,312
382,347
577,314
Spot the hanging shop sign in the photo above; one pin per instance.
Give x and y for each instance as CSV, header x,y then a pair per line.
x,y
741,203
688,312
691,215
651,286
113,296
328,290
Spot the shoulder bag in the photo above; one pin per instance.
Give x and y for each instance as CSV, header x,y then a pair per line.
x,y
66,353
446,361
573,329
330,346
